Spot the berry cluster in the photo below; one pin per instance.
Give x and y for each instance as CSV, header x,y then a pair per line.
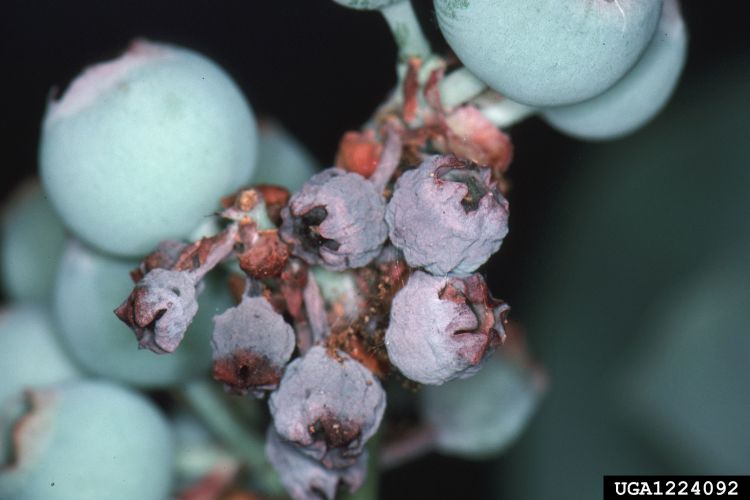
x,y
391,229
316,296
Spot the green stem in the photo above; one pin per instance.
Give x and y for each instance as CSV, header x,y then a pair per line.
x,y
460,86
505,113
406,31
246,444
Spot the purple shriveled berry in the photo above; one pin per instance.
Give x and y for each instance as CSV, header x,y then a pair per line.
x,y
306,478
447,216
251,344
443,328
336,220
160,309
329,407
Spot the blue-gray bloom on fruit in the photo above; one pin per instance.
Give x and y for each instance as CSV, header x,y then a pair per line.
x,y
140,148
251,345
304,477
85,440
447,216
160,309
443,328
639,95
482,415
328,405
546,52
336,220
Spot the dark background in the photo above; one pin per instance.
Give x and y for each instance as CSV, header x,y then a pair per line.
x,y
321,69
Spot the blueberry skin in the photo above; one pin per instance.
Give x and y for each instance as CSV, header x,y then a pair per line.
x,y
251,344
30,352
336,220
328,407
88,440
88,287
430,222
140,148
548,52
639,95
480,416
304,477
433,339
32,237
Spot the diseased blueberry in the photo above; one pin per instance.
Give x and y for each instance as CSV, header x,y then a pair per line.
x,y
251,344
305,478
443,328
160,309
447,216
336,220
329,407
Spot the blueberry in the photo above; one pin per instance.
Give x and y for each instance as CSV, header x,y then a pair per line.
x,y
545,53
639,95
139,148
328,406
93,440
484,414
251,345
447,216
160,309
442,328
336,220
305,478
30,353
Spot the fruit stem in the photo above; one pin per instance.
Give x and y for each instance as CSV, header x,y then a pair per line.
x,y
460,86
406,31
247,445
505,112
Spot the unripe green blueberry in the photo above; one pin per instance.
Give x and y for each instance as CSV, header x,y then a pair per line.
x,y
480,416
30,354
548,52
31,242
140,148
639,95
86,441
282,160
89,287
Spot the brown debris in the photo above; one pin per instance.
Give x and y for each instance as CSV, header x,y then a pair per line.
x,y
245,371
359,152
263,253
336,434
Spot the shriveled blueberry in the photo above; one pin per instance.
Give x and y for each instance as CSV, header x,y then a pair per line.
x,y
447,216
251,344
328,406
305,478
160,309
443,328
336,220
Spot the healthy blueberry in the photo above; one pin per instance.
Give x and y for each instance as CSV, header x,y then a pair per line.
x,y
546,53
639,95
